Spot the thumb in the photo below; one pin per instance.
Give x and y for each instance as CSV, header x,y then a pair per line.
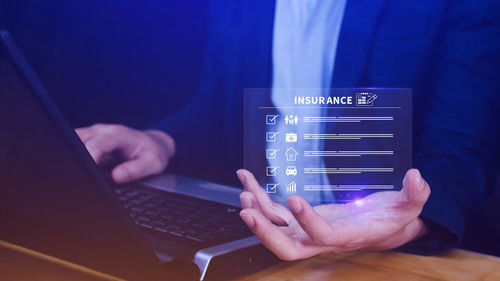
x,y
415,188
136,168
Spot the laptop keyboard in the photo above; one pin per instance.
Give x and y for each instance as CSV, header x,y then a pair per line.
x,y
183,217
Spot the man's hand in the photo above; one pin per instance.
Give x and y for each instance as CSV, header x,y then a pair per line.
x,y
142,153
380,221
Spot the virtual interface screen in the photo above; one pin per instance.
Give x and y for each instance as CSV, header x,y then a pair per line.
x,y
338,146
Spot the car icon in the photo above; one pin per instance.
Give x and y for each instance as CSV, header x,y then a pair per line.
x,y
291,170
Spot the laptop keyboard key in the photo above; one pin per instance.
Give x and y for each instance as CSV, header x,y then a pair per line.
x,y
183,217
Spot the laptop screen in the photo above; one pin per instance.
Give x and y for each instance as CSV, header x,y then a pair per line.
x,y
50,201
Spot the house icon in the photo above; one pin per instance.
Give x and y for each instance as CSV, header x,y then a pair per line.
x,y
291,154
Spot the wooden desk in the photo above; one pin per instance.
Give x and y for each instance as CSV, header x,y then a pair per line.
x,y
18,264
386,266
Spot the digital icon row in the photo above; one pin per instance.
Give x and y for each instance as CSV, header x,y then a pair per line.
x,y
273,187
272,171
289,119
273,136
290,154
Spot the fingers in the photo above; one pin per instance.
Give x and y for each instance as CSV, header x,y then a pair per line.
x,y
84,133
276,240
99,146
145,152
275,212
248,201
99,141
250,183
415,189
320,231
136,168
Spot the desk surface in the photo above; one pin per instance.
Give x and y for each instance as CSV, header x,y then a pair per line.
x,y
386,266
18,264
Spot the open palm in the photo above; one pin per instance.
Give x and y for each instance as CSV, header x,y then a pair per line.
x,y
380,221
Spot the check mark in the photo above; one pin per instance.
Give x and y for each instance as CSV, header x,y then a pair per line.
x,y
271,136
271,119
271,153
271,171
271,187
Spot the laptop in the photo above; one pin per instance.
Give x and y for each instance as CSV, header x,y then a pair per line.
x,y
56,201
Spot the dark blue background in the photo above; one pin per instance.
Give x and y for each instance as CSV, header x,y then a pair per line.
x,y
134,62
130,62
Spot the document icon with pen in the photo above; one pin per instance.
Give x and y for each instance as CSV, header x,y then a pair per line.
x,y
365,99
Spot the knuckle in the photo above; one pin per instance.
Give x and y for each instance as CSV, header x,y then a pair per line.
x,y
108,128
114,128
98,126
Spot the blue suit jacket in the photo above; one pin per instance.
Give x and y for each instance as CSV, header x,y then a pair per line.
x,y
448,52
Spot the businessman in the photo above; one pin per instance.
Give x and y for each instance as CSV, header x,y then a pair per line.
x,y
447,51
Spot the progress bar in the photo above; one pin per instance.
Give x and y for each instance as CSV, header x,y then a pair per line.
x,y
345,170
346,187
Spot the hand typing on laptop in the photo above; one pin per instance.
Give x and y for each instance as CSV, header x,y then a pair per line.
x,y
380,221
143,153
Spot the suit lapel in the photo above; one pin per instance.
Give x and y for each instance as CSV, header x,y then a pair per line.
x,y
355,39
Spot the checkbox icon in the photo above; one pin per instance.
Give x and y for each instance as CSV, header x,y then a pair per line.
x,y
271,153
271,136
271,119
271,187
271,171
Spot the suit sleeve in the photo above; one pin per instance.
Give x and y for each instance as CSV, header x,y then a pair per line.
x,y
457,137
